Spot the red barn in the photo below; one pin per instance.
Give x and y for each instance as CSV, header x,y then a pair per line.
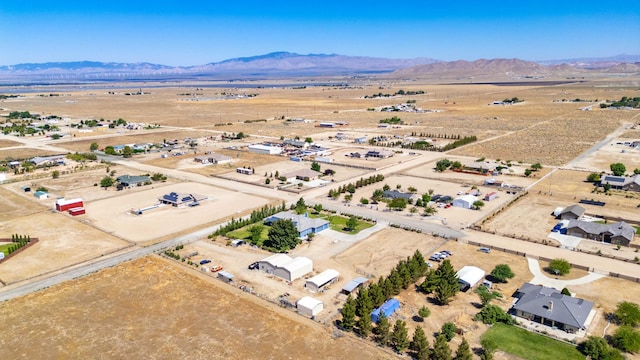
x,y
64,205
77,211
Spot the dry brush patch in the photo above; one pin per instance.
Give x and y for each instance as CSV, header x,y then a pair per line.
x,y
148,308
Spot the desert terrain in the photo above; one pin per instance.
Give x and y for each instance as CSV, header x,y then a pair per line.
x,y
125,310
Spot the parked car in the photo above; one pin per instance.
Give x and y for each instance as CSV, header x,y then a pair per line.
x,y
253,266
435,257
447,252
205,261
485,250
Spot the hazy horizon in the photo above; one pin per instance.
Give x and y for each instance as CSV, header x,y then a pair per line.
x,y
159,32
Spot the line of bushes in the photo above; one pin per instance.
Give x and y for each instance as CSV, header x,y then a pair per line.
x,y
256,216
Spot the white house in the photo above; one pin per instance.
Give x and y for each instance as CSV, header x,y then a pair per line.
x,y
321,280
464,201
309,306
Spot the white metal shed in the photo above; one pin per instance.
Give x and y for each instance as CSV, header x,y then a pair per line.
x,y
469,276
321,280
295,269
309,306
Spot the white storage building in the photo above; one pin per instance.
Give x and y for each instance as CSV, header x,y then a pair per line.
x,y
270,264
309,306
264,149
295,269
469,276
464,201
321,280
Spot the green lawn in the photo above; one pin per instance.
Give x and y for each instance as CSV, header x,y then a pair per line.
x,y
338,223
5,248
243,233
529,345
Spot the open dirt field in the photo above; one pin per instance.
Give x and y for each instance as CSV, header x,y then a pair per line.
x,y
113,214
150,309
24,153
8,143
15,206
613,152
63,241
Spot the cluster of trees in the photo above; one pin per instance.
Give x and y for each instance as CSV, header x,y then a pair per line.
x,y
460,142
356,313
394,120
399,92
21,115
442,282
626,337
445,164
424,145
351,187
513,100
82,157
534,167
256,216
436,136
24,127
19,241
618,169
623,102
159,177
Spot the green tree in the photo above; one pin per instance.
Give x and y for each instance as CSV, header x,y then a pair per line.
x,y
364,307
636,171
412,189
400,336
593,177
315,166
597,348
443,165
420,344
318,208
441,349
485,295
527,172
536,166
127,151
364,201
348,313
55,174
447,286
626,339
308,140
464,351
255,232
430,282
300,207
448,329
424,312
502,272
93,146
283,236
378,194
492,314
618,169
109,150
383,330
565,291
488,348
560,266
106,182
398,204
627,313
478,204
352,222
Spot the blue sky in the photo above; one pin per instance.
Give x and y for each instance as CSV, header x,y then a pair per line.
x,y
199,32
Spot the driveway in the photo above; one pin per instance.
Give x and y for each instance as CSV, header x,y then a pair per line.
x,y
542,279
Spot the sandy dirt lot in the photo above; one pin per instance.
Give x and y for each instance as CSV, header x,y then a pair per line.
x,y
15,205
24,153
113,214
8,143
613,152
63,241
151,309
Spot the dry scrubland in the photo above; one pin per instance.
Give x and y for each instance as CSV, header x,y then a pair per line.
x,y
151,309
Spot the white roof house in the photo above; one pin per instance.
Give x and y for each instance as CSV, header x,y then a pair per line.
x,y
270,264
295,269
464,201
321,280
309,306
469,276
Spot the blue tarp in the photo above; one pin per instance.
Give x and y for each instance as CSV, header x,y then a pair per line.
x,y
388,308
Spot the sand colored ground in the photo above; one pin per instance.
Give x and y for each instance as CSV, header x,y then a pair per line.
x,y
612,153
8,143
15,206
63,241
113,214
24,153
150,309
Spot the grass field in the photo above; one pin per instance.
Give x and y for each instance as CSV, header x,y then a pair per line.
x,y
5,248
528,345
244,234
339,223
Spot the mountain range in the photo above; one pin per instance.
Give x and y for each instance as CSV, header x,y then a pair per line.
x,y
286,64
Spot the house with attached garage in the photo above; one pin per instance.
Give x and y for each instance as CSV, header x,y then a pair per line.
x,y
304,224
630,183
550,307
572,212
619,233
129,181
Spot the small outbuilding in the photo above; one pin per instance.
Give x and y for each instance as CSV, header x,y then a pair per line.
x,y
572,212
225,276
41,194
309,306
63,205
353,285
469,276
388,308
318,282
491,196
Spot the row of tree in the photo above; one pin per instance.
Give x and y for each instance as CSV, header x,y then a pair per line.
x,y
351,187
256,216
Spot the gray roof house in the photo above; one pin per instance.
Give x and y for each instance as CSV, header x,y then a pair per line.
x,y
395,194
549,307
304,224
571,212
130,181
631,183
619,233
